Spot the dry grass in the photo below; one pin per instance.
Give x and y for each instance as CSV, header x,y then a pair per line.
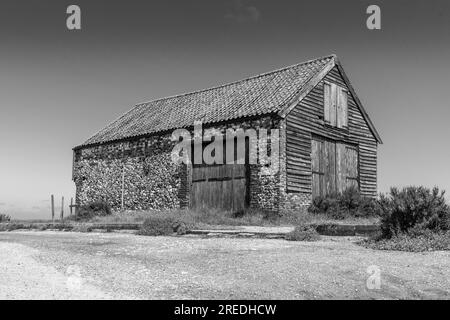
x,y
303,233
213,217
198,217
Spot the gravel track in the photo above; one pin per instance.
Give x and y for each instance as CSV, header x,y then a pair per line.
x,y
70,265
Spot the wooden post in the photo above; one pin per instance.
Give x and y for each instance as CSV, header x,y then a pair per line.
x,y
62,208
123,187
53,207
71,205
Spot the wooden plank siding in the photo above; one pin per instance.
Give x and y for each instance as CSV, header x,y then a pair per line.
x,y
307,119
219,186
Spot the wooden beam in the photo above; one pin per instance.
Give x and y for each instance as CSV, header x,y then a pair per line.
x,y
53,207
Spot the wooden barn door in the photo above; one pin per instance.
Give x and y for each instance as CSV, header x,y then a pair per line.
x,y
334,166
222,186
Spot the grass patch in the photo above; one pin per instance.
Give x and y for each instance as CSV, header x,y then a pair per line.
x,y
160,225
91,210
29,226
303,233
82,228
413,243
198,218
206,218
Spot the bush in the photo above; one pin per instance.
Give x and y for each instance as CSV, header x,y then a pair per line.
x,y
412,210
349,203
164,225
4,218
303,233
93,209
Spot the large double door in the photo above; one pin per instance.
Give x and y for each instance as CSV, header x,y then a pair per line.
x,y
334,166
222,186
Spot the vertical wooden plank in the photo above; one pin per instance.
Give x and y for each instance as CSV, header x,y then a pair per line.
x,y
196,203
332,154
62,209
330,166
322,165
122,196
315,164
339,111
333,104
352,167
212,185
232,190
316,185
229,195
53,207
341,170
239,187
192,194
326,101
222,195
203,189
343,106
317,167
325,162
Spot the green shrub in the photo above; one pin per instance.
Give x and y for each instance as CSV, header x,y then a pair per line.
x,y
343,205
4,218
93,209
164,225
303,233
412,210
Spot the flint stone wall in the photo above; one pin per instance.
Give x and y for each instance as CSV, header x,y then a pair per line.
x,y
150,180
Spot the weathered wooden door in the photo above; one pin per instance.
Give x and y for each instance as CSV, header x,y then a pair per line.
x,y
220,186
334,166
317,166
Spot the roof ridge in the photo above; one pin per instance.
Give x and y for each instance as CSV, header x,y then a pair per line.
x,y
238,81
126,123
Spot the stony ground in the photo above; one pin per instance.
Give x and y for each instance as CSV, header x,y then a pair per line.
x,y
58,265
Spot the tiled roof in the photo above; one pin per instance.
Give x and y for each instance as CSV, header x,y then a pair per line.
x,y
263,94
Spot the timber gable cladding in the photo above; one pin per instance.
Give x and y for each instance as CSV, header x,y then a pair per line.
x,y
312,104
308,119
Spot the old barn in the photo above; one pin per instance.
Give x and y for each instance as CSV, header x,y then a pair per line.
x,y
327,143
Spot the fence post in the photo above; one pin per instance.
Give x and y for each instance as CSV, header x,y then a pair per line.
x,y
71,205
53,207
62,208
123,188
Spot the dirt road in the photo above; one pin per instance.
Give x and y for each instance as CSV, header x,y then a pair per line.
x,y
59,265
